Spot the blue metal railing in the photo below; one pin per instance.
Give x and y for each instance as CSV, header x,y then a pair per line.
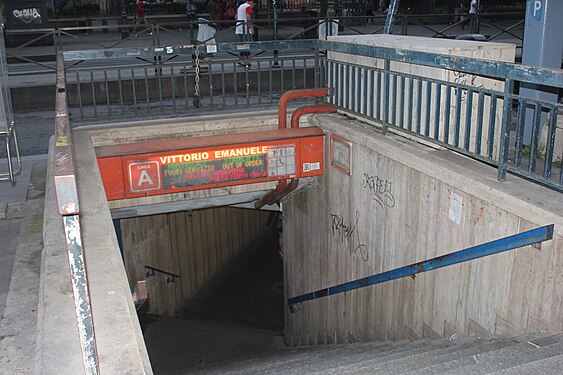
x,y
530,237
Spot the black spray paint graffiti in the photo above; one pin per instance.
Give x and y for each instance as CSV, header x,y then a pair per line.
x,y
348,232
380,190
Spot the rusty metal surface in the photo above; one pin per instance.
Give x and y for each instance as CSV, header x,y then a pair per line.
x,y
283,188
65,179
68,207
296,94
81,294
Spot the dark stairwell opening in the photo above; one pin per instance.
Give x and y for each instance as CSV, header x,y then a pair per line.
x,y
238,314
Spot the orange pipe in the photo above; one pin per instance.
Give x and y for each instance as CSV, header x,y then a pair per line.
x,y
296,94
321,108
283,188
282,124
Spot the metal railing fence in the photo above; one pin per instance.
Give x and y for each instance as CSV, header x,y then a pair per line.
x,y
471,108
120,33
170,88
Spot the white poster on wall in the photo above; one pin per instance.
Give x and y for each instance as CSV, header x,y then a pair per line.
x,y
456,206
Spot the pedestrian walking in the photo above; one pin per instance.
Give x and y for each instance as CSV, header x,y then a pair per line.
x,y
139,16
244,14
244,29
473,7
191,11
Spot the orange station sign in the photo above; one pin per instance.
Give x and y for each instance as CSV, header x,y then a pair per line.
x,y
164,166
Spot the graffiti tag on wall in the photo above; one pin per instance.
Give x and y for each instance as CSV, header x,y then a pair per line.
x,y
28,15
347,232
380,190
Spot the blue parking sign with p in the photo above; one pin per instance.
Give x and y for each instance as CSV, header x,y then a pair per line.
x,y
537,9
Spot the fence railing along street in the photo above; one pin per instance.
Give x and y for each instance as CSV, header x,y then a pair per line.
x,y
485,124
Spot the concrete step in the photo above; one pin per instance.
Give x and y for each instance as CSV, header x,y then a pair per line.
x,y
456,357
547,366
409,352
525,354
512,356
303,356
356,353
300,358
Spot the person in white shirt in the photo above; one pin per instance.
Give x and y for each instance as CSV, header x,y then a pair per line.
x,y
473,5
244,29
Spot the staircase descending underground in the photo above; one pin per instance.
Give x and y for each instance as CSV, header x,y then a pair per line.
x,y
228,329
532,354
233,326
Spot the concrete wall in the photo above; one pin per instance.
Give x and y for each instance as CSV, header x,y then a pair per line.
x,y
195,246
403,203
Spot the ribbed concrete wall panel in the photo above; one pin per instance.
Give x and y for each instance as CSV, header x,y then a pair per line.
x,y
195,246
405,203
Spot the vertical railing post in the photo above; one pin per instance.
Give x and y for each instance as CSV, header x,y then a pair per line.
x,y
386,68
275,28
317,67
505,129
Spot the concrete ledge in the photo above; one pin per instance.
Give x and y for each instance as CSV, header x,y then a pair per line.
x,y
57,347
121,347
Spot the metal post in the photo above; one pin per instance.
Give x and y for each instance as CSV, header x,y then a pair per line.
x,y
7,127
386,68
391,11
275,29
505,129
124,29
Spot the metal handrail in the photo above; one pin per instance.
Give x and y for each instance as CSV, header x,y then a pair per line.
x,y
530,237
68,205
8,128
10,139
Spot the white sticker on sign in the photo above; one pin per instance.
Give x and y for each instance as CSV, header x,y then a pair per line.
x,y
306,167
315,166
456,205
212,48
